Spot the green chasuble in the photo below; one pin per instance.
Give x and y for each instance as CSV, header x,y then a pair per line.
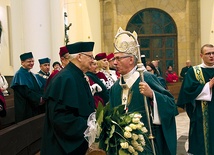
x,y
165,134
69,103
190,89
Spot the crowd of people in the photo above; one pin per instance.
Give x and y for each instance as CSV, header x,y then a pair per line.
x,y
82,81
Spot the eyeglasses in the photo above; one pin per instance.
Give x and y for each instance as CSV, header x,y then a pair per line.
x,y
66,57
90,56
121,57
209,53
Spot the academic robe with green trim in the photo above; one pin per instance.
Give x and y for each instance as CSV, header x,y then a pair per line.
x,y
43,77
190,89
69,103
165,134
27,94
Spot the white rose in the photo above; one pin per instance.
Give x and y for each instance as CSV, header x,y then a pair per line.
x,y
124,145
133,126
135,120
142,123
135,153
131,149
127,134
137,115
134,136
141,137
139,126
139,148
134,143
144,130
127,128
143,143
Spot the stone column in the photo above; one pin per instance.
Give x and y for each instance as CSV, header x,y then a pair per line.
x,y
57,28
207,21
36,27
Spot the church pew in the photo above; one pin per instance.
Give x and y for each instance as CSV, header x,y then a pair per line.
x,y
174,89
9,119
23,138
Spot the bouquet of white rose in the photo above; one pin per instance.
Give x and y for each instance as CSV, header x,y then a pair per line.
x,y
117,132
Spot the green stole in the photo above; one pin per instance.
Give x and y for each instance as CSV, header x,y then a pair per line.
x,y
204,106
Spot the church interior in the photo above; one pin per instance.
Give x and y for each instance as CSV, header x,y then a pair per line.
x,y
170,32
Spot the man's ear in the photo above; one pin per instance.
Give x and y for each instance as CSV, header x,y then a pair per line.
x,y
79,57
131,60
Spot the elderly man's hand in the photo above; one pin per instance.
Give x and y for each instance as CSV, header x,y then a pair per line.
x,y
145,90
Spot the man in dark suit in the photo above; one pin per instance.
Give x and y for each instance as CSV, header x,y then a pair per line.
x,y
186,68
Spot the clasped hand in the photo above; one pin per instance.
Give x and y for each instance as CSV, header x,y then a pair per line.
x,y
145,89
211,83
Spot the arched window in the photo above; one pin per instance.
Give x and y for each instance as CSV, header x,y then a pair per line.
x,y
157,36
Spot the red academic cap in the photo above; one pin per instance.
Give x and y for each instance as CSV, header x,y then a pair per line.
x,y
100,56
63,51
110,56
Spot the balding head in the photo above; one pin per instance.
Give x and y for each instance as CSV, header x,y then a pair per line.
x,y
188,63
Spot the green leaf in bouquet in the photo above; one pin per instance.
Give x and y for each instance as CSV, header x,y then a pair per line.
x,y
122,152
103,136
107,122
107,141
99,113
114,123
125,120
117,112
119,134
107,110
112,131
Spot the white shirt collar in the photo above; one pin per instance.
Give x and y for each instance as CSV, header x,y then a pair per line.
x,y
205,66
129,74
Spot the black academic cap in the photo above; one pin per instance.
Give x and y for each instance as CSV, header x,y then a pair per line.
x,y
25,56
44,60
79,47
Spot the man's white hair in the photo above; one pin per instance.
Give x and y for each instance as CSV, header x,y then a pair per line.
x,y
72,56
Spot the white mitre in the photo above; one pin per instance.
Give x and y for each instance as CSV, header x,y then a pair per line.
x,y
126,42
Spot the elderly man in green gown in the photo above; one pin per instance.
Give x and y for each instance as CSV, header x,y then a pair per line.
x,y
130,91
69,103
